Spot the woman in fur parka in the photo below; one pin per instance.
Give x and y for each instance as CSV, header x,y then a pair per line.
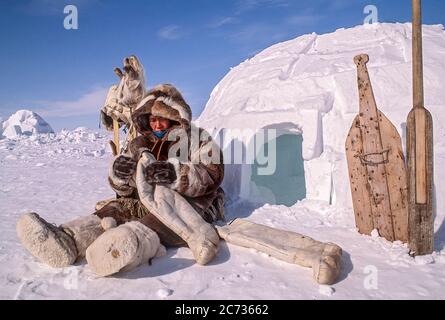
x,y
168,185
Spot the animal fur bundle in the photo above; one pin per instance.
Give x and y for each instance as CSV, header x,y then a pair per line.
x,y
123,98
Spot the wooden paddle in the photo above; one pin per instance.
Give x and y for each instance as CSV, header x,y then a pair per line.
x,y
419,149
376,166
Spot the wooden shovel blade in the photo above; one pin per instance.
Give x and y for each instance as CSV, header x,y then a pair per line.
x,y
362,184
358,179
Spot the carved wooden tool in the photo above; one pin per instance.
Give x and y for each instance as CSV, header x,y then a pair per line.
x,y
419,149
376,166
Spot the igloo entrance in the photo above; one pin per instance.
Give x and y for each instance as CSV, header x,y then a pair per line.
x,y
287,184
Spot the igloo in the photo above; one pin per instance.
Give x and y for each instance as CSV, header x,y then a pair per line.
x,y
305,90
24,123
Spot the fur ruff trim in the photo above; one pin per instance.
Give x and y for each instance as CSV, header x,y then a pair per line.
x,y
163,101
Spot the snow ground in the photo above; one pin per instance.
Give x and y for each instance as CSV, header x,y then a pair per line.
x,y
62,177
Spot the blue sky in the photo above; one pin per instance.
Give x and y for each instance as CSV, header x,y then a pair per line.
x,y
64,74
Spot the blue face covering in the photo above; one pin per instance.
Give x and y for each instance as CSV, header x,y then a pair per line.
x,y
160,134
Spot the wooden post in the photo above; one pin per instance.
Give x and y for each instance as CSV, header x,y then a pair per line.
x,y
419,149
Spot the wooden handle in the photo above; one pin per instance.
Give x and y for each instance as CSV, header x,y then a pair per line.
x,y
418,102
113,148
418,99
366,94
361,60
116,135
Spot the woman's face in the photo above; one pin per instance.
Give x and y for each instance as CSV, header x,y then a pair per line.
x,y
159,123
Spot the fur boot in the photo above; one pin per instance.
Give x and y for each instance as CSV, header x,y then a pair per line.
x,y
48,243
123,249
59,246
323,258
85,230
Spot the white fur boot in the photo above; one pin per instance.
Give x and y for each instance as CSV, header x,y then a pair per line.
x,y
327,266
123,249
85,230
323,258
178,215
48,243
58,246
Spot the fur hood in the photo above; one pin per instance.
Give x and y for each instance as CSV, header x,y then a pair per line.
x,y
164,101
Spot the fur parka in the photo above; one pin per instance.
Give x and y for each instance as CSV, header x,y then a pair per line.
x,y
197,159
